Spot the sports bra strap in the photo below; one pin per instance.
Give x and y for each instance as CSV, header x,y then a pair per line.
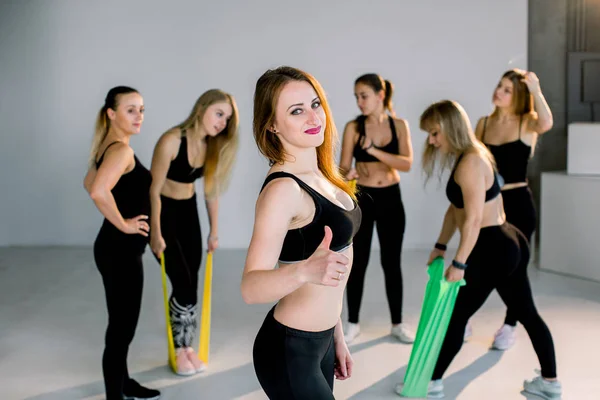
x,y
485,124
104,152
283,174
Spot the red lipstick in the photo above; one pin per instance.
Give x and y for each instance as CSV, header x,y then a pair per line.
x,y
313,131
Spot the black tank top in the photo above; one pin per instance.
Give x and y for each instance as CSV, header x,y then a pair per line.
x,y
512,158
132,195
300,243
360,154
180,169
454,193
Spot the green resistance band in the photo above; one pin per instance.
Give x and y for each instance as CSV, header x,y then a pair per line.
x,y
440,297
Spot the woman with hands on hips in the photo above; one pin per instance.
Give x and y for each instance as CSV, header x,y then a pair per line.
x,y
119,185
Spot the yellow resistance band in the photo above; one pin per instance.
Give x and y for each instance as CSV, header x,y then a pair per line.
x,y
171,346
204,337
204,341
352,184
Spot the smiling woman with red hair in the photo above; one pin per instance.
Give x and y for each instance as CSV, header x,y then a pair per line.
x,y
305,221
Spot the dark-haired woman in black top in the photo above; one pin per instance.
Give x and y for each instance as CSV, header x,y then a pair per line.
x,y
381,146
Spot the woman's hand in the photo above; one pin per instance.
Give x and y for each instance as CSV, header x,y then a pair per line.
x,y
367,145
532,82
454,274
352,174
435,253
213,243
343,361
325,267
137,225
157,244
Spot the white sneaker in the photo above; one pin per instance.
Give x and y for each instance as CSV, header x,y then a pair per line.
x,y
468,331
505,338
403,334
549,390
351,332
434,391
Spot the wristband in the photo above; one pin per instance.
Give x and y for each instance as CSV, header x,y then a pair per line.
x,y
459,265
440,246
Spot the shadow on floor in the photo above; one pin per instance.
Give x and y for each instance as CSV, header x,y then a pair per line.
x,y
453,384
227,384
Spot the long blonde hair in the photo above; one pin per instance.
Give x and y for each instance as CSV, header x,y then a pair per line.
x,y
266,94
220,149
454,123
103,122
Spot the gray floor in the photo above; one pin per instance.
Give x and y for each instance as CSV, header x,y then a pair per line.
x,y
53,319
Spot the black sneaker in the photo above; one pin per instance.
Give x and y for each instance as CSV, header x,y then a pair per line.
x,y
134,391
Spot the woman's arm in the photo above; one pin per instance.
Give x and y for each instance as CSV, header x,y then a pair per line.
x,y
348,143
343,360
212,209
278,204
448,229
544,120
401,162
89,179
164,152
471,178
448,226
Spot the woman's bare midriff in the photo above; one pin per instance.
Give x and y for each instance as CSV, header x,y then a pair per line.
x,y
177,190
312,307
493,213
376,174
515,185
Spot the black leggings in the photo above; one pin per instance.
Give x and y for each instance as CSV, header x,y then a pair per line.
x,y
123,277
520,212
291,364
384,207
498,261
180,228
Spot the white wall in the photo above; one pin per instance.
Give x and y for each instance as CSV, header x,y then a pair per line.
x,y
58,59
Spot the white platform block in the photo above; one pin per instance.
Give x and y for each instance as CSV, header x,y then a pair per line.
x,y
570,224
583,148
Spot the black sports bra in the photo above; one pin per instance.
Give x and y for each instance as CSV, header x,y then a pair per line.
x,y
300,243
454,193
512,158
360,154
132,196
180,169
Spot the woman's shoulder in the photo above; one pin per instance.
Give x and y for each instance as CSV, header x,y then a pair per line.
x,y
401,124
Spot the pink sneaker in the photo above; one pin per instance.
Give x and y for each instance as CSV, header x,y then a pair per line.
x,y
183,364
198,365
